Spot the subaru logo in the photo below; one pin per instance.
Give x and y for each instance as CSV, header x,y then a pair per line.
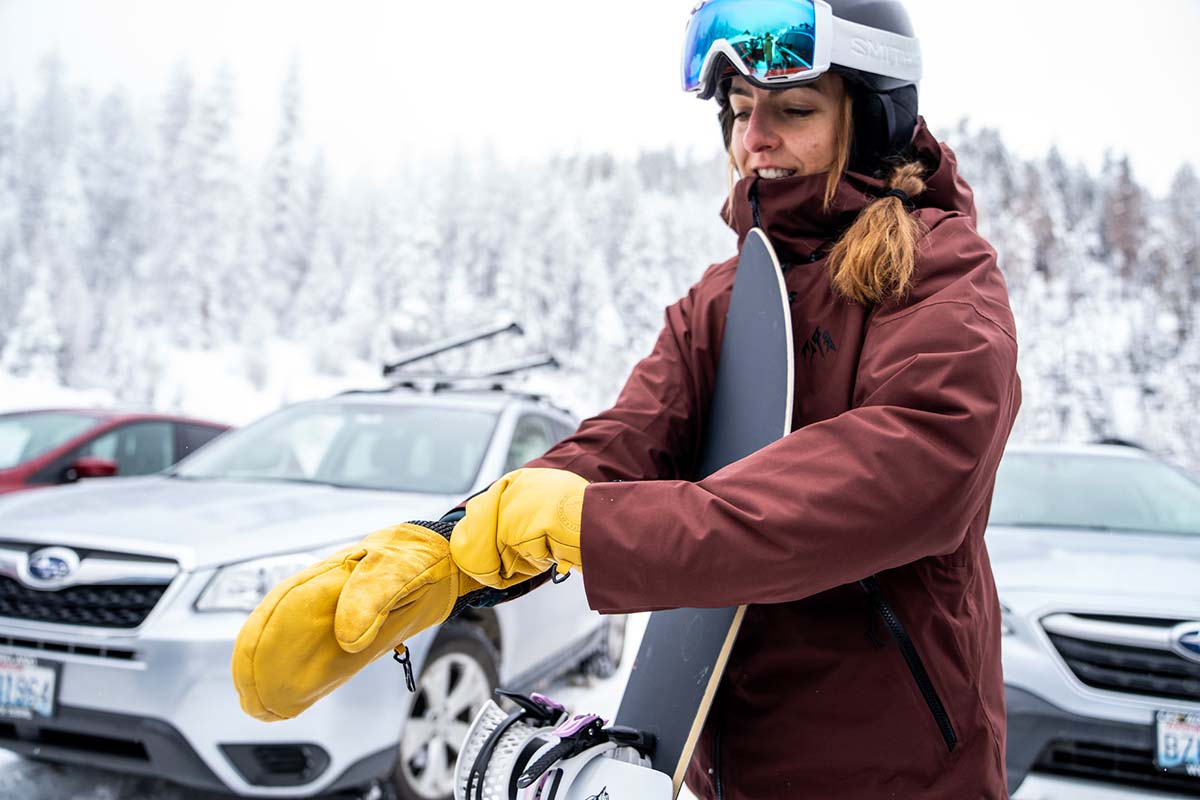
x,y
1185,640
52,567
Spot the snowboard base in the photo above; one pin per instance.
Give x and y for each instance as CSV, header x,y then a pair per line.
x,y
684,651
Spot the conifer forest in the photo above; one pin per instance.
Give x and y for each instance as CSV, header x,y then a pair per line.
x,y
129,238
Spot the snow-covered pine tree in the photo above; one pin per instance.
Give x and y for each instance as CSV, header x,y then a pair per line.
x,y
204,273
34,347
287,213
114,166
1123,217
61,246
1181,230
43,145
320,298
13,280
164,213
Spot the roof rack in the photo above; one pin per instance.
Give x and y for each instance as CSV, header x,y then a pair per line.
x,y
490,380
501,371
451,343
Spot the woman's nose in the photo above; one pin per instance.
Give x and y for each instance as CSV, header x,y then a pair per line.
x,y
760,132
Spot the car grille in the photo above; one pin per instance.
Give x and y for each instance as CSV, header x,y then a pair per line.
x,y
78,742
1130,655
1133,670
70,648
1132,766
108,606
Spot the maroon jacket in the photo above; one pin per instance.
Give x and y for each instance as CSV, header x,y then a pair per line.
x,y
902,411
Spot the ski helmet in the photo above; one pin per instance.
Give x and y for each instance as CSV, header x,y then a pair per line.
x,y
870,43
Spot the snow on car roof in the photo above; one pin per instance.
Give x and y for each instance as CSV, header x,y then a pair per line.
x,y
493,401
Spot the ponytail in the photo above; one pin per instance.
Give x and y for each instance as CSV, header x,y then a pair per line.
x,y
875,257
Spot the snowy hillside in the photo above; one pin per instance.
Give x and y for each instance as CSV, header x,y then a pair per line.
x,y
141,262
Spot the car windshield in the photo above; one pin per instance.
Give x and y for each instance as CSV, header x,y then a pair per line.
x,y
387,447
1107,493
24,437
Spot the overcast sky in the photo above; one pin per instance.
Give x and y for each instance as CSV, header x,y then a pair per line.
x,y
391,79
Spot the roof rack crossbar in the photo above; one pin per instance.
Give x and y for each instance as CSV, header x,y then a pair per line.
x,y
523,364
499,371
451,343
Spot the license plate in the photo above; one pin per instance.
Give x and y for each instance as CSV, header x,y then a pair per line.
x,y
27,687
1178,748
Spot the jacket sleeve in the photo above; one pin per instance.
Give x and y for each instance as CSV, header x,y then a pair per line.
x,y
896,478
650,433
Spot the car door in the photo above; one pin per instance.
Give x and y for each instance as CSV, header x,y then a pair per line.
x,y
551,618
139,448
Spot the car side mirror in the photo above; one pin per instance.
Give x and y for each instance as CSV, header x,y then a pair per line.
x,y
90,467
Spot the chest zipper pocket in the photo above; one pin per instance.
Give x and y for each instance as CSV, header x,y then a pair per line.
x,y
909,651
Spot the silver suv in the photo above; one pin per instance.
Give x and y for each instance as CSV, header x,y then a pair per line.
x,y
1096,552
120,601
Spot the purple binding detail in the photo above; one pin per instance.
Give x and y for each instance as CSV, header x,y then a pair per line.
x,y
547,702
575,724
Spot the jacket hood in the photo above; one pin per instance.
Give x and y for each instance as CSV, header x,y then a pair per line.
x,y
792,210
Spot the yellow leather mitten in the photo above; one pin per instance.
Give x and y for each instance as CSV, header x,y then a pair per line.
x,y
316,629
525,523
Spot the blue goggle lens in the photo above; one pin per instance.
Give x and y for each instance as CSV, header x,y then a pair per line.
x,y
773,39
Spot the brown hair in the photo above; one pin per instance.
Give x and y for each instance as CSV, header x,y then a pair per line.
x,y
875,257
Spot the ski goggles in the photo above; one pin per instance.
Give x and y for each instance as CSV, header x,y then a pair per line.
x,y
785,42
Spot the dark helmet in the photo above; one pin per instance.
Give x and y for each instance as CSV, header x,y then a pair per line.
x,y
885,109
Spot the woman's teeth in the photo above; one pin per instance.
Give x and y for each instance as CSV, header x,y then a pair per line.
x,y
773,174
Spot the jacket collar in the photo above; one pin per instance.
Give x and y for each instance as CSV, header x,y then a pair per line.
x,y
792,210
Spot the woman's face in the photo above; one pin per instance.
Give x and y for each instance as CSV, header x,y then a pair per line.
x,y
778,133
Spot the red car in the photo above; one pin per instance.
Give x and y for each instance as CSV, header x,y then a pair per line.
x,y
49,447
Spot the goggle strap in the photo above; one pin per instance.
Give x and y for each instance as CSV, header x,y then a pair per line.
x,y
875,51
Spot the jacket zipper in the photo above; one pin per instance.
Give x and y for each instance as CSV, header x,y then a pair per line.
x,y
718,713
717,764
913,660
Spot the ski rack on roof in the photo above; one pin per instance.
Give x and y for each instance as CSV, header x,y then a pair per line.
x,y
434,381
451,343
491,380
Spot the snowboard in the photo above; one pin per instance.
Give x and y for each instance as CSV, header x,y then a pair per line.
x,y
684,651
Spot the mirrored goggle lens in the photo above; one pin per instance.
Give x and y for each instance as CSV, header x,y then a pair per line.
x,y
774,39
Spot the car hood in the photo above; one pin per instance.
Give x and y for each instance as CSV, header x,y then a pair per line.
x,y
206,522
1095,563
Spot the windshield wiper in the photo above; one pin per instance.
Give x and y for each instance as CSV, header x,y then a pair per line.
x,y
247,478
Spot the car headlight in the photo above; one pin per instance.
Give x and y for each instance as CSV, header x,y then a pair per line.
x,y
241,587
1008,621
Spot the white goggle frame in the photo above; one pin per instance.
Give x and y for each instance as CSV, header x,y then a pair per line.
x,y
837,41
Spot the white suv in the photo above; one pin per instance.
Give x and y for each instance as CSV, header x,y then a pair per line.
x,y
120,601
1096,552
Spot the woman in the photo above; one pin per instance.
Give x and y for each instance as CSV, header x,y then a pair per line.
x,y
906,389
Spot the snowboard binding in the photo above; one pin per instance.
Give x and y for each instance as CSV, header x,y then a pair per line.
x,y
539,751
